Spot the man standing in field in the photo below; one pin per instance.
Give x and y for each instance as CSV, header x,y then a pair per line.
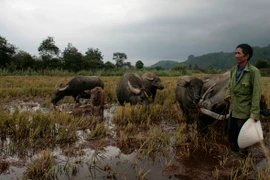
x,y
243,93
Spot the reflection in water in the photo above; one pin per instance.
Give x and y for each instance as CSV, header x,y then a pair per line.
x,y
97,164
112,164
87,163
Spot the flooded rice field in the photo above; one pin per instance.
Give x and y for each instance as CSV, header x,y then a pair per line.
x,y
130,150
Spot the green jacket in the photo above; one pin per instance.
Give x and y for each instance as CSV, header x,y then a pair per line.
x,y
246,93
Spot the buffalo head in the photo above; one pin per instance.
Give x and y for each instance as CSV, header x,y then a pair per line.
x,y
130,89
192,87
188,94
152,83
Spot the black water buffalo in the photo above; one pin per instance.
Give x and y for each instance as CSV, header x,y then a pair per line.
x,y
212,104
152,82
76,88
188,94
130,89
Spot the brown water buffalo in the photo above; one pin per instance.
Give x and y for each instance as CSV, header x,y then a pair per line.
x,y
97,99
76,88
152,82
130,89
188,94
212,104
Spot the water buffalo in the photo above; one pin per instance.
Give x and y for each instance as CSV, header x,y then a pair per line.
x,y
212,104
97,99
265,111
76,88
214,89
130,89
152,82
188,94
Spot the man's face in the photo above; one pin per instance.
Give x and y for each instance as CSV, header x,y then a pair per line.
x,y
240,57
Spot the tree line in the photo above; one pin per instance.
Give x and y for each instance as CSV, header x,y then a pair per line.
x,y
51,58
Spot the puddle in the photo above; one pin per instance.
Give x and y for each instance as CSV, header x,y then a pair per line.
x,y
27,106
110,162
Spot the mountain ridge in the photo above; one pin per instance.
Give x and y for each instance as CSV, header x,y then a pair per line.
x,y
216,60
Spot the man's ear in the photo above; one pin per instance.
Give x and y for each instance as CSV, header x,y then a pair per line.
x,y
247,55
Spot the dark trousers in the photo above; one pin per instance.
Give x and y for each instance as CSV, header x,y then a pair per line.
x,y
234,127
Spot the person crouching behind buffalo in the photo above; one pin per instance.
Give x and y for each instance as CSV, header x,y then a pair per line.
x,y
243,93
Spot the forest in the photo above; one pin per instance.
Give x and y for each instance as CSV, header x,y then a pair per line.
x,y
52,61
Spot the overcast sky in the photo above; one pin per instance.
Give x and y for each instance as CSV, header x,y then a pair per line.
x,y
146,30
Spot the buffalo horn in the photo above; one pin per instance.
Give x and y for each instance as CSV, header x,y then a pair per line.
x,y
135,90
63,88
146,94
56,86
206,92
150,78
214,115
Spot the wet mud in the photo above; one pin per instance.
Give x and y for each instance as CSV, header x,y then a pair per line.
x,y
107,159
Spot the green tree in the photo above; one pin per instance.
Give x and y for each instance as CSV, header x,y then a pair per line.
x,y
119,59
72,59
49,51
127,65
179,68
23,60
158,68
38,64
7,51
109,65
139,64
261,63
196,67
93,59
48,48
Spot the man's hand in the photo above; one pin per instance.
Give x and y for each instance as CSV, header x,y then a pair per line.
x,y
255,120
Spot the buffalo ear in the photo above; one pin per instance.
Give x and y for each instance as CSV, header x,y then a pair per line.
x,y
184,80
183,83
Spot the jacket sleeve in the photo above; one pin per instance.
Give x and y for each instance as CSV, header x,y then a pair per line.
x,y
256,95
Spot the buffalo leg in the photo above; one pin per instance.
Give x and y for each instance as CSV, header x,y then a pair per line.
x,y
203,123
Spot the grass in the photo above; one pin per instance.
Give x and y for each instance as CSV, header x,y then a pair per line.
x,y
42,167
151,130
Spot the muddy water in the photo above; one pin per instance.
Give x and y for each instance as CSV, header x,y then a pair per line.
x,y
108,163
113,163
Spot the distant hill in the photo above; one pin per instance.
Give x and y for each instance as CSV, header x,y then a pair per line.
x,y
166,64
218,60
